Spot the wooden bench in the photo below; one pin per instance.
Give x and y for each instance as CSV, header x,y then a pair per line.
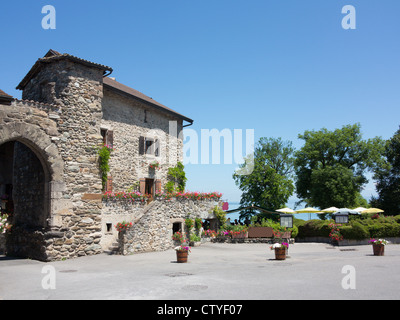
x,y
261,232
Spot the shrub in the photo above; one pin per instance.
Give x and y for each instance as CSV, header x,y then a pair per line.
x,y
382,230
314,228
295,231
354,231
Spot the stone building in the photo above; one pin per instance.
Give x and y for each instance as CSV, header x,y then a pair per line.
x,y
49,174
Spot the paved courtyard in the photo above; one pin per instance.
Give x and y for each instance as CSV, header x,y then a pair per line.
x,y
213,272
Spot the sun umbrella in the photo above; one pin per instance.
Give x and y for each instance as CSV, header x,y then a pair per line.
x,y
360,209
308,210
331,209
372,210
286,210
346,211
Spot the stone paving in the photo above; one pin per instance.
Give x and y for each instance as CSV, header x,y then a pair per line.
x,y
215,271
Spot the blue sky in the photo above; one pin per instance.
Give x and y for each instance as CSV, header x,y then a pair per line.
x,y
278,67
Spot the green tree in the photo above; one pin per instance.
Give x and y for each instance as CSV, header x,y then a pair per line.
x,y
388,178
270,184
331,166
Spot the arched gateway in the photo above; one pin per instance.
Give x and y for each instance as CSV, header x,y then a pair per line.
x,y
30,169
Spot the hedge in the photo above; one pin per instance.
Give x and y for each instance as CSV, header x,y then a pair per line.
x,y
358,228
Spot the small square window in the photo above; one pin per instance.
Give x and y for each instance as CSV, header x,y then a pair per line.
x,y
109,227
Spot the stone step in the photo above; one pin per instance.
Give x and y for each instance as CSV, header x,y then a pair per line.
x,y
113,249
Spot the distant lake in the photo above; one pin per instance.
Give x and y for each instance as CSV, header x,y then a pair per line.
x,y
235,215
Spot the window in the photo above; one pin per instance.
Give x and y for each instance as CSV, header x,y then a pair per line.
x,y
109,227
108,137
176,227
149,146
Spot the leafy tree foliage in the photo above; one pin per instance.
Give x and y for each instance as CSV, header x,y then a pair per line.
x,y
331,166
270,184
388,178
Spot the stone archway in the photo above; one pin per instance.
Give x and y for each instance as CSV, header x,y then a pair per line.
x,y
34,169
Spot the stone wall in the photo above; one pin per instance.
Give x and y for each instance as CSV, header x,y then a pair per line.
x,y
114,211
129,119
62,127
153,231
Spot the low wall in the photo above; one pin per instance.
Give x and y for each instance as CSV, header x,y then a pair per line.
x,y
153,230
345,242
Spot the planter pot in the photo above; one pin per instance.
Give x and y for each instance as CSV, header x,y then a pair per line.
x,y
280,254
181,256
379,250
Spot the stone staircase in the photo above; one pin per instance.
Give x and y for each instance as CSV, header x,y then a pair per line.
x,y
113,249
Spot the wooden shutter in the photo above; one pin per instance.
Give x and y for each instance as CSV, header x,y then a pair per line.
x,y
158,185
142,141
110,138
142,186
109,185
157,148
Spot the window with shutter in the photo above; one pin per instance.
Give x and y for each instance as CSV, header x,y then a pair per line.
x,y
110,138
141,145
157,148
149,146
142,185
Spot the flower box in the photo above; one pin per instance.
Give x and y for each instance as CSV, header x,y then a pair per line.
x,y
240,235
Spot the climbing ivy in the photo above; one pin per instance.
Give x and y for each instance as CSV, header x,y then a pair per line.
x,y
177,179
104,157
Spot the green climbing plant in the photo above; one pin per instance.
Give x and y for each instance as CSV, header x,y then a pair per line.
x,y
104,158
177,179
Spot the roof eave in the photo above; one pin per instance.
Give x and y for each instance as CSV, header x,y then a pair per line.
x,y
126,94
38,64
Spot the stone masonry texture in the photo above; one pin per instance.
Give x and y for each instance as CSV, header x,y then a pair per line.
x,y
54,134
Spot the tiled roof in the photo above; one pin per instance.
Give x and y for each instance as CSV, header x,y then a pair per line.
x,y
5,98
5,95
53,55
109,83
123,89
